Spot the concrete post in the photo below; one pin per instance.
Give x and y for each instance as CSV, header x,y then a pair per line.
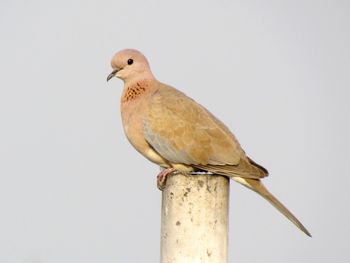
x,y
194,224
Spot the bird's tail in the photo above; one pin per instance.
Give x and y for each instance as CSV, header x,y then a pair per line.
x,y
257,186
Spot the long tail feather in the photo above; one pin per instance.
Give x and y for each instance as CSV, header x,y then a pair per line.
x,y
259,188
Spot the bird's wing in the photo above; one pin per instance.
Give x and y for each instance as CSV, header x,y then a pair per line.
x,y
182,131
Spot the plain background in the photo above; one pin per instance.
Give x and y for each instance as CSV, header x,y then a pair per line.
x,y
72,189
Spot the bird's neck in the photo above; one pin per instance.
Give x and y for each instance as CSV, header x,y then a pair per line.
x,y
133,90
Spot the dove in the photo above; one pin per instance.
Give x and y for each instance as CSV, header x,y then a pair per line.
x,y
180,135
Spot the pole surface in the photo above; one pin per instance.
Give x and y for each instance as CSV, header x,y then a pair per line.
x,y
194,227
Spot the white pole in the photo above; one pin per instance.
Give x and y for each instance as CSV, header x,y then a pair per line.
x,y
195,219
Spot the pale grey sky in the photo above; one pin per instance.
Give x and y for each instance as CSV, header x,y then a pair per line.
x,y
72,189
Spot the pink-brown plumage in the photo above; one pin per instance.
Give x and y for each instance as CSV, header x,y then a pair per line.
x,y
173,131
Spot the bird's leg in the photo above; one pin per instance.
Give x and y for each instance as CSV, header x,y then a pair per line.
x,y
162,176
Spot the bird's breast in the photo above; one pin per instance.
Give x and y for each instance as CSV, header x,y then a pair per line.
x,y
132,117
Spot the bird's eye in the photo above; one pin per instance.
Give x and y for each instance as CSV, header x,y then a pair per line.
x,y
130,61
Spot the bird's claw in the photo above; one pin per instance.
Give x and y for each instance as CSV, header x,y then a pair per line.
x,y
162,177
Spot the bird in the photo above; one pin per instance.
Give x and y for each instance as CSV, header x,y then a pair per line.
x,y
175,132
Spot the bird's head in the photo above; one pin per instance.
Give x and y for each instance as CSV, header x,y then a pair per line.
x,y
129,64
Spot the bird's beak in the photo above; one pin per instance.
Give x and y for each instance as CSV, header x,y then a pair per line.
x,y
112,74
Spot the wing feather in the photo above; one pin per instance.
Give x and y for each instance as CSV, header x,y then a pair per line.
x,y
184,132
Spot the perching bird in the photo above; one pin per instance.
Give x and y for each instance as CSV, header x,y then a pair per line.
x,y
175,132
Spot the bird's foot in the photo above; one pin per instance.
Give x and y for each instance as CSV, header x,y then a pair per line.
x,y
162,177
